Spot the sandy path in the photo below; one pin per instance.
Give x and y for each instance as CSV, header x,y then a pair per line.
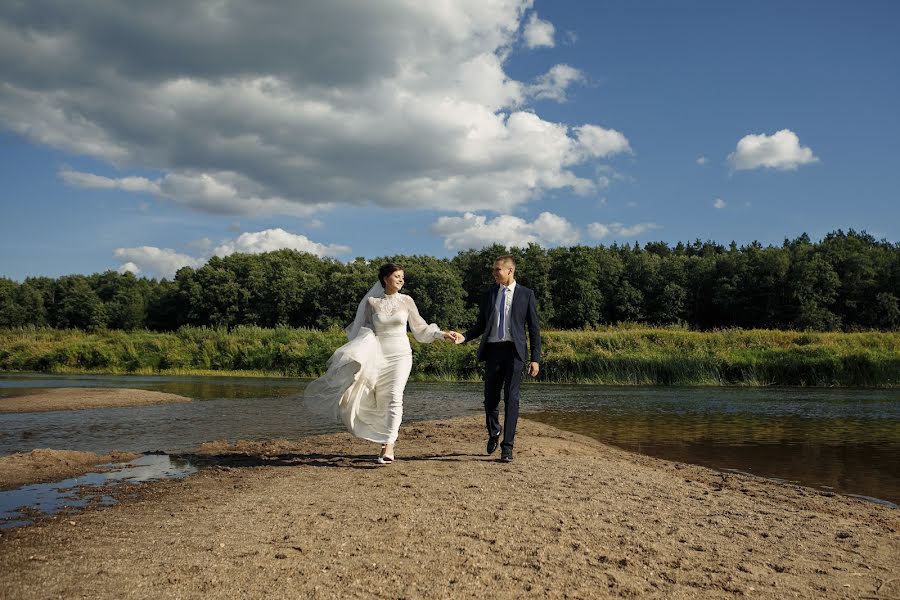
x,y
569,518
81,398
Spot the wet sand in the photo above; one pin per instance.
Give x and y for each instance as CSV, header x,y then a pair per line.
x,y
82,398
570,517
43,464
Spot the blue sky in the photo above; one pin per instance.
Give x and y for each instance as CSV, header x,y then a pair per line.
x,y
148,142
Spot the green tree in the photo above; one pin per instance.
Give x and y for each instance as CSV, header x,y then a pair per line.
x,y
221,295
437,289
814,288
533,266
124,298
475,267
574,282
31,300
11,313
77,304
888,310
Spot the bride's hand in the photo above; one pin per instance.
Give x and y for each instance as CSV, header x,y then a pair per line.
x,y
455,337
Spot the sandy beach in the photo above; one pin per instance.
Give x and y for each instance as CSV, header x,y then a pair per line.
x,y
82,398
569,518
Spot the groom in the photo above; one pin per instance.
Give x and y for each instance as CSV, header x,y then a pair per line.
x,y
504,311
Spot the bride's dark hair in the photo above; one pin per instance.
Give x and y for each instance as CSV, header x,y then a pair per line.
x,y
385,271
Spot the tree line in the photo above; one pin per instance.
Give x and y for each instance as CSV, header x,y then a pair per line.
x,y
847,281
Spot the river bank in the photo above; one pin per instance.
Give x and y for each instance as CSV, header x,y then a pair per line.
x,y
610,356
569,517
44,464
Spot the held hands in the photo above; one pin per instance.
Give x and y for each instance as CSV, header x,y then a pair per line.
x,y
533,368
456,337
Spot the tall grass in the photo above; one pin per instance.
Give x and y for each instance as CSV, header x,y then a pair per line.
x,y
625,355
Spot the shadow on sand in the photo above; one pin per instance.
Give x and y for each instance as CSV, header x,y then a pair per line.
x,y
236,460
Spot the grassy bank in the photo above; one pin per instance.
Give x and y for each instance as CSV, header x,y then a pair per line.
x,y
620,356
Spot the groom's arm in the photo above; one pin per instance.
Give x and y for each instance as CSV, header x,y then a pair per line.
x,y
534,329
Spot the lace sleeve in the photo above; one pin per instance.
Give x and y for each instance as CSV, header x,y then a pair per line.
x,y
422,331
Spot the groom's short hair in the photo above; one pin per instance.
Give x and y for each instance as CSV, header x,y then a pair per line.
x,y
506,258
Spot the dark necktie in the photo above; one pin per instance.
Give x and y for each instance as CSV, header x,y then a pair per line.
x,y
500,330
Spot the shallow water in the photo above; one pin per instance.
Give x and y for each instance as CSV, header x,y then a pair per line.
x,y
230,408
836,440
845,439
76,493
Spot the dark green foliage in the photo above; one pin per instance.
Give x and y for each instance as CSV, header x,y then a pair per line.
x,y
574,282
848,281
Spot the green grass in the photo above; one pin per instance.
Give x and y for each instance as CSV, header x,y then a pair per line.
x,y
624,355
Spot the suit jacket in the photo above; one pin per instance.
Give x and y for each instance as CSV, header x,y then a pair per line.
x,y
522,313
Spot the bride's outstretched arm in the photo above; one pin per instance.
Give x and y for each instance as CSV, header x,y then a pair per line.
x,y
422,331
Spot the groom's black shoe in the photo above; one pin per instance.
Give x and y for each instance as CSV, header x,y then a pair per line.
x,y
493,442
506,456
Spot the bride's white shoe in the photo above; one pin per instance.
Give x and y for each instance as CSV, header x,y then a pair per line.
x,y
384,458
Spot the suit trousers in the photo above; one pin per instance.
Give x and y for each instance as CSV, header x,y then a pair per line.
x,y
502,372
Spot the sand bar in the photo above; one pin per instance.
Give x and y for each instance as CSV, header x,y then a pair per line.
x,y
81,398
570,517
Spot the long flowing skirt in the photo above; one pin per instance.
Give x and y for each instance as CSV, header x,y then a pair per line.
x,y
363,388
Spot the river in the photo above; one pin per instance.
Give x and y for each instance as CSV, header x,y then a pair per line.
x,y
845,440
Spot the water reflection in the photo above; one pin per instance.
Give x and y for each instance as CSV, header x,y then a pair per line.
x,y
18,506
845,439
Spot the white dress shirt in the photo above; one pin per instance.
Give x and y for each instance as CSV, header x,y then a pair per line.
x,y
503,336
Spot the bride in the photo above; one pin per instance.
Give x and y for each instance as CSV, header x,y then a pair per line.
x,y
363,386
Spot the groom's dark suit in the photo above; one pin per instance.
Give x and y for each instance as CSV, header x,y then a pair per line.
x,y
504,360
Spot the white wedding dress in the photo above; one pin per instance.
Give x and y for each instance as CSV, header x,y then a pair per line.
x,y
363,386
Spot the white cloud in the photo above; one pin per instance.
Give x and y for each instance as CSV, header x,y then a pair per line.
x,y
220,193
598,142
276,239
600,231
702,161
781,150
538,33
162,261
129,184
477,231
637,229
165,262
552,85
610,174
129,267
256,109
719,203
